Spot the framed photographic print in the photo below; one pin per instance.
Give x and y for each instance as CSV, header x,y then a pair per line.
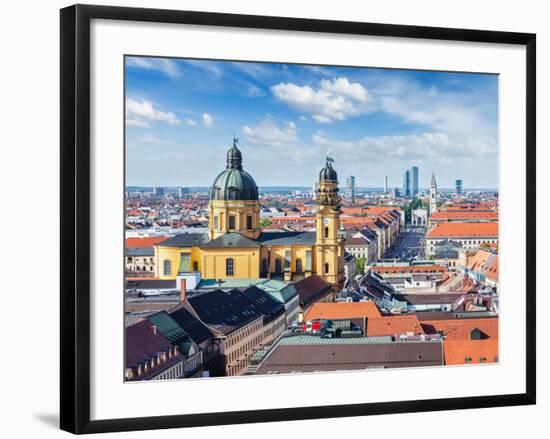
x,y
273,218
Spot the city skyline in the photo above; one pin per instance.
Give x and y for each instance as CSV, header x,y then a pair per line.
x,y
181,116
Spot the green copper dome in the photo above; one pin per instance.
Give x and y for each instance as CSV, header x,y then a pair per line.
x,y
234,183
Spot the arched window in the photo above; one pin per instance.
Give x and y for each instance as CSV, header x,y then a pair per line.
x,y
264,266
232,222
195,266
230,267
327,267
326,232
249,222
298,265
278,265
167,267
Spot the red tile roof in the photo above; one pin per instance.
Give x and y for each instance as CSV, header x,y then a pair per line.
x,y
446,215
342,310
464,230
393,325
144,242
460,329
471,351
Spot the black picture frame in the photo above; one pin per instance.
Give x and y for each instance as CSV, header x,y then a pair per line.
x,y
75,217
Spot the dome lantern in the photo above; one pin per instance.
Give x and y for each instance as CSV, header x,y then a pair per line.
x,y
328,174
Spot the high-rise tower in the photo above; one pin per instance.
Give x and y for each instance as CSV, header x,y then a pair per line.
x,y
329,244
414,181
350,189
433,195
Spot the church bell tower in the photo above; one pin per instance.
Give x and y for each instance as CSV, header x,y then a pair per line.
x,y
329,245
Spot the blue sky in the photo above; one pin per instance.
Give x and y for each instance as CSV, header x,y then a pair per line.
x,y
181,116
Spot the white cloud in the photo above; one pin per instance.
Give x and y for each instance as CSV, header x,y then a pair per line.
x,y
141,112
207,120
208,66
254,70
151,138
342,86
190,122
335,99
268,132
254,91
166,66
434,146
137,123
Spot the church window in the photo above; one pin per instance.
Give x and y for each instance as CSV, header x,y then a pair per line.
x,y
230,267
249,222
327,267
326,232
167,267
298,265
288,255
264,266
278,265
308,260
216,222
185,263
195,266
232,221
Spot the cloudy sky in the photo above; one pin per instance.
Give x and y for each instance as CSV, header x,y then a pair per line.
x,y
181,116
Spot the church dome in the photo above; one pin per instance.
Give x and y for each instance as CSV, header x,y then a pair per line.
x,y
234,183
328,173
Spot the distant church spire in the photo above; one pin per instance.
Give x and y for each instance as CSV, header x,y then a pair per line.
x,y
433,195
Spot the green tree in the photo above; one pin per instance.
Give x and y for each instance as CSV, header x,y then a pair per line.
x,y
360,266
264,222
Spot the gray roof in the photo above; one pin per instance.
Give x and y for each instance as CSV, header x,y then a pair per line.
x,y
349,354
231,240
186,240
287,238
140,251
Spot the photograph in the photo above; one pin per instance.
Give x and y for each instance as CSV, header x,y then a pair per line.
x,y
286,218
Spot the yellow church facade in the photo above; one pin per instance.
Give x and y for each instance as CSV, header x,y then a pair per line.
x,y
236,247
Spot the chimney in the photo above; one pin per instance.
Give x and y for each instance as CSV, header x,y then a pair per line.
x,y
183,289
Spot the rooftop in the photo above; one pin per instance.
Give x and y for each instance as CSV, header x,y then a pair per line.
x,y
464,230
470,351
144,242
342,310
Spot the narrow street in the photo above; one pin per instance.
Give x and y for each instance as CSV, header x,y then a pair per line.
x,y
410,244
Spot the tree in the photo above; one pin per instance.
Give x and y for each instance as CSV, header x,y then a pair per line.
x,y
264,222
360,266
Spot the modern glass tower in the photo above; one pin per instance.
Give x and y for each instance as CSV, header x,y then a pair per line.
x,y
414,180
407,183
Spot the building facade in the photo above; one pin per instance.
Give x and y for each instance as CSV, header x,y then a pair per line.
x,y
236,247
471,235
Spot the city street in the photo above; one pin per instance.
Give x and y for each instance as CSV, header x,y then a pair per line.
x,y
410,244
